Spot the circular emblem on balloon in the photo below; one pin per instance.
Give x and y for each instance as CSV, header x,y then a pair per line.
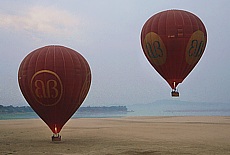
x,y
195,47
46,87
154,49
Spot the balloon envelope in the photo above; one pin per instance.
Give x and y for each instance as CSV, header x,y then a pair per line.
x,y
173,42
55,81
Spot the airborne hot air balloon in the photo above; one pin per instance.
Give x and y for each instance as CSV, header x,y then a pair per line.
x,y
55,81
173,42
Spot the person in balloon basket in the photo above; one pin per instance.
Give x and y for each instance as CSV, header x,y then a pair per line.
x,y
56,137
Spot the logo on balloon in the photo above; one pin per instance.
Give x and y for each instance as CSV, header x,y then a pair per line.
x,y
154,49
195,47
46,87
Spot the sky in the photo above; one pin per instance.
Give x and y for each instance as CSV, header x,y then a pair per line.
x,y
107,34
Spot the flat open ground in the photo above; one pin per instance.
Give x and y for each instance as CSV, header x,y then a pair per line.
x,y
119,136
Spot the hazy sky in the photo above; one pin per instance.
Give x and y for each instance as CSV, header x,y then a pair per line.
x,y
107,34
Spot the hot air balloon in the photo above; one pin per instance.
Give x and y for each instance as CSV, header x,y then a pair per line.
x,y
55,81
173,42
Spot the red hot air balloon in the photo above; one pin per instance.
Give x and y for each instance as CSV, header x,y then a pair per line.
x,y
54,81
173,42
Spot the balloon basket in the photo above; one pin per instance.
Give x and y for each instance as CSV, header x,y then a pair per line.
x,y
175,94
56,138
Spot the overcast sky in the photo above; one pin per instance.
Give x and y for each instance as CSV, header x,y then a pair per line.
x,y
107,34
